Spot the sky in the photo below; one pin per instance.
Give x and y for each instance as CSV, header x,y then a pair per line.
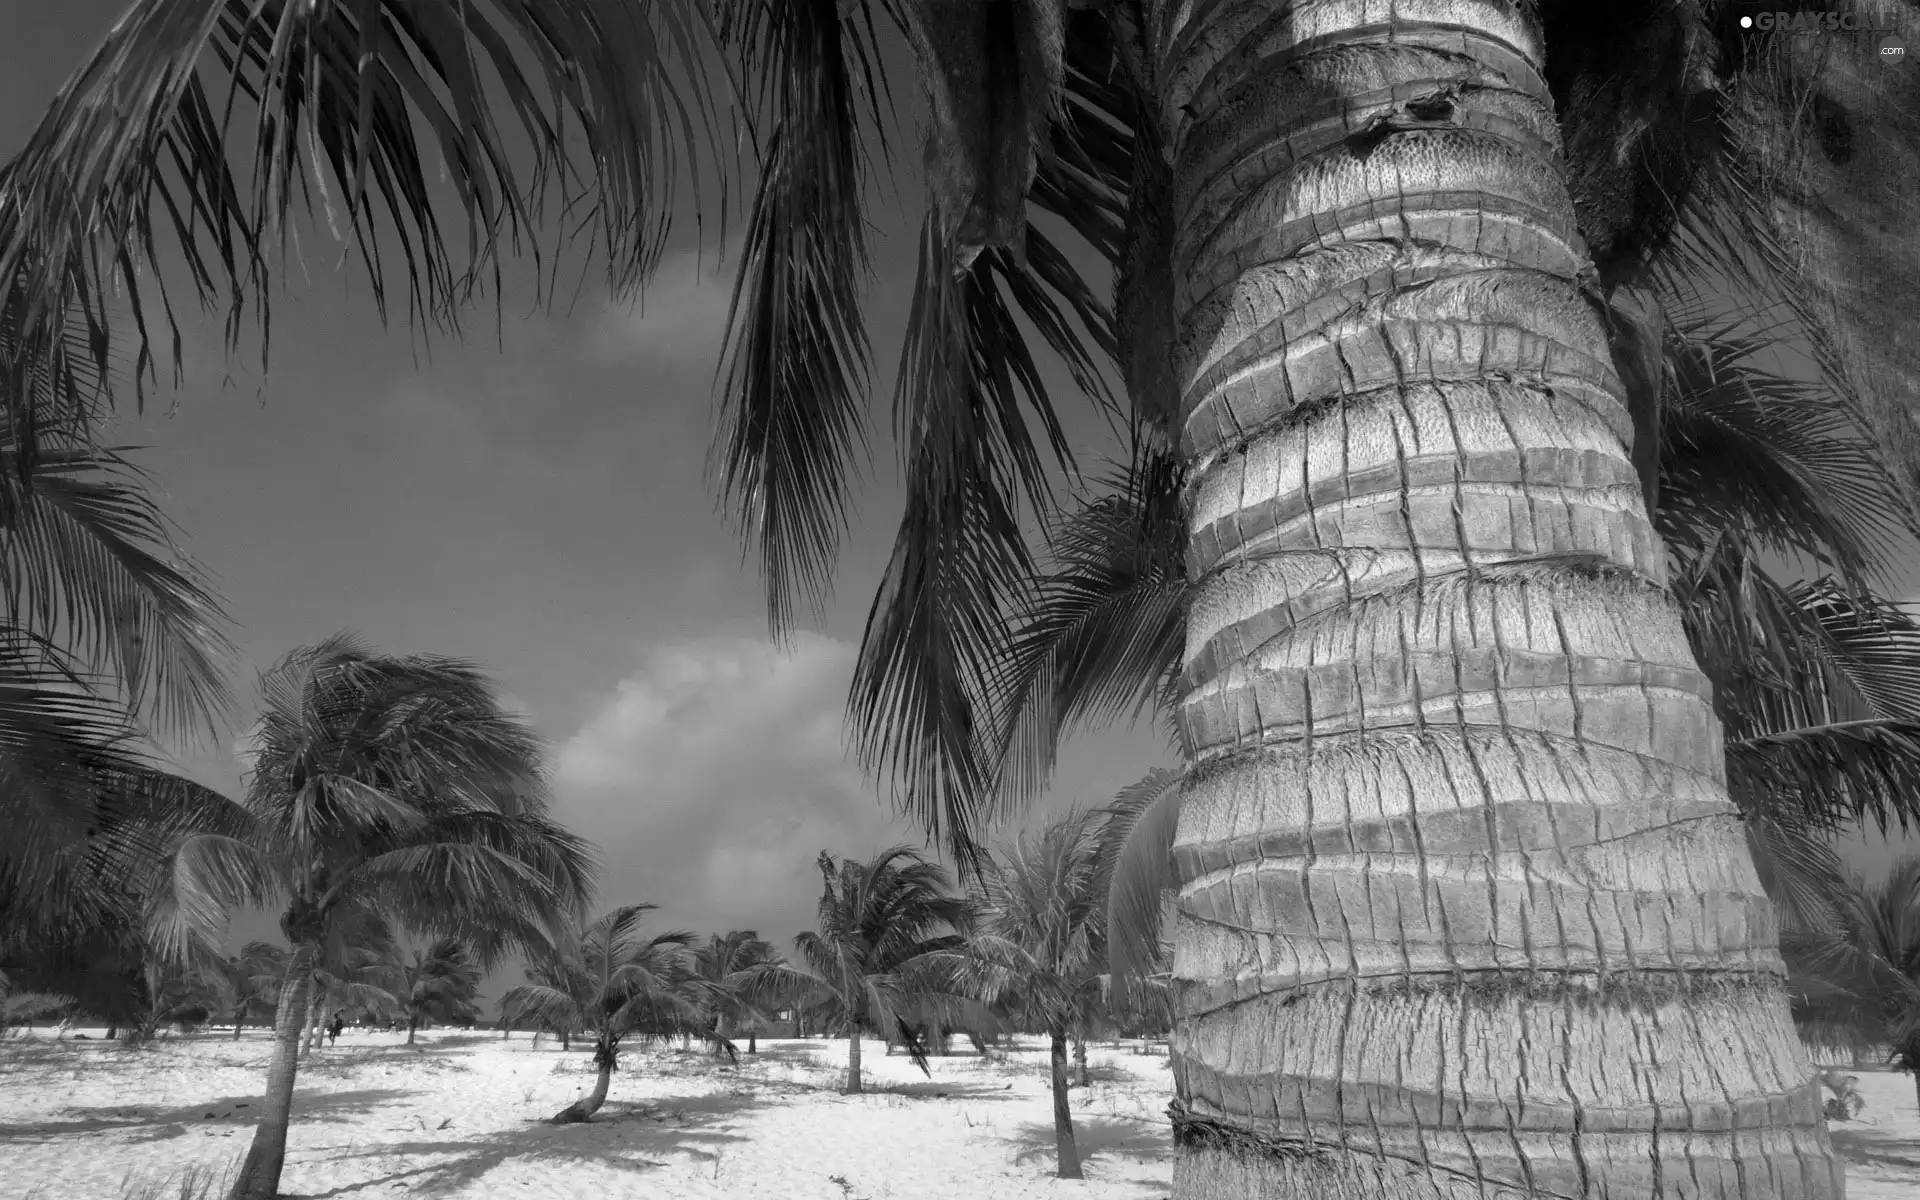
x,y
539,504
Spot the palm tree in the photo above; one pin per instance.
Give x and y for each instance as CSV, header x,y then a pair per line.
x,y
1817,681
1858,986
381,788
440,984
1039,941
253,976
886,950
722,963
619,983
1381,274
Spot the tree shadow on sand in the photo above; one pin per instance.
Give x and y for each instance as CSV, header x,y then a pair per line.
x,y
1870,1146
157,1121
632,1137
1097,1137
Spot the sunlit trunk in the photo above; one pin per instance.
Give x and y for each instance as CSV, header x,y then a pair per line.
x,y
1066,1154
1080,1075
1464,909
853,1062
605,1057
259,1176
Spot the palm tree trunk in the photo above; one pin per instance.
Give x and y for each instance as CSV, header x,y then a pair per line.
x,y
259,1177
413,1023
1080,1076
1066,1154
853,1062
1464,908
566,1041
238,1021
753,1041
584,1108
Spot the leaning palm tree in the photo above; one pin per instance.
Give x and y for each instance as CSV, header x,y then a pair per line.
x,y
380,789
618,982
1039,941
1857,986
887,948
1382,281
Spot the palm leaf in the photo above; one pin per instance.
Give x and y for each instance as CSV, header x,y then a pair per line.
x,y
968,387
599,103
797,355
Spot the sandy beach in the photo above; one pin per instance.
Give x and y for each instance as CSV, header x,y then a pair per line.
x,y
459,1116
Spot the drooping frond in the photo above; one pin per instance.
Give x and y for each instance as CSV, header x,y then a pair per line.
x,y
1137,849
797,356
88,561
202,127
1100,635
969,389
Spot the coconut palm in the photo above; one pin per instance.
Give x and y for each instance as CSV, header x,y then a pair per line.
x,y
440,984
253,979
380,789
1039,944
1817,681
886,951
1381,276
722,963
1857,987
622,985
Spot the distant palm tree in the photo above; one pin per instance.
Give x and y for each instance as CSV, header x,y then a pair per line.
x,y
886,950
1038,945
724,962
379,787
252,977
619,984
441,984
1858,986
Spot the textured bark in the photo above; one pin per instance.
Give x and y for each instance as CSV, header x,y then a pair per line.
x,y
259,1177
1066,1154
1464,909
1080,1075
753,1043
853,1063
412,1024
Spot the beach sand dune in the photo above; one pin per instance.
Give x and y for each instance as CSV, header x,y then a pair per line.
x,y
460,1116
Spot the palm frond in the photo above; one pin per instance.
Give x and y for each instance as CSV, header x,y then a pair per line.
x,y
1138,865
1102,632
797,353
601,106
1823,162
89,560
968,388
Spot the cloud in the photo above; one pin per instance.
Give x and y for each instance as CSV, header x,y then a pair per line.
x,y
714,774
678,321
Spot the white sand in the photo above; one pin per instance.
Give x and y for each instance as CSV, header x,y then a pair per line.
x,y
458,1117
